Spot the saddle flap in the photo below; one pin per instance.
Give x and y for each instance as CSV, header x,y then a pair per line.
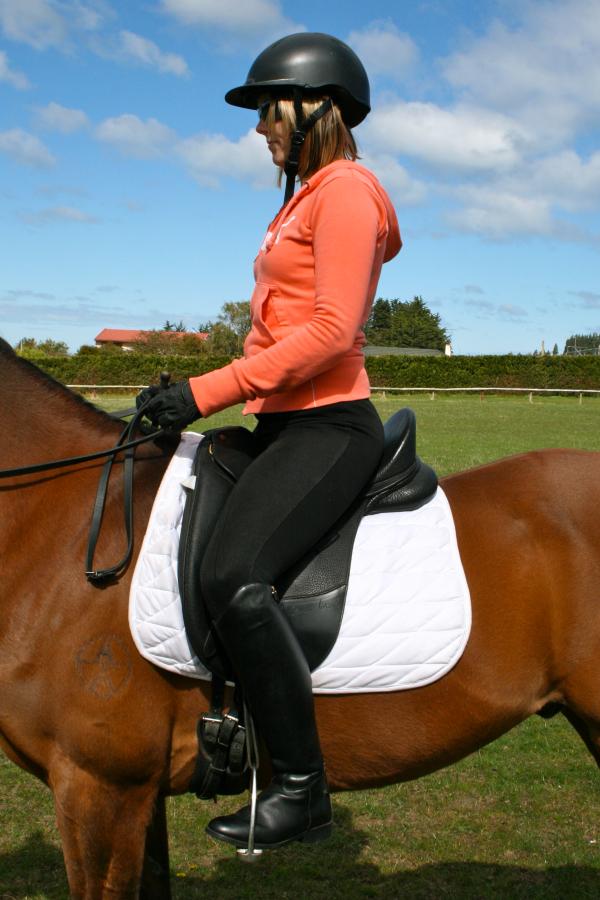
x,y
220,460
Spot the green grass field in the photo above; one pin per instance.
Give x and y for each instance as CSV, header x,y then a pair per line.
x,y
518,819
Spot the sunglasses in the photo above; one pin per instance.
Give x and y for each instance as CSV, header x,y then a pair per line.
x,y
263,110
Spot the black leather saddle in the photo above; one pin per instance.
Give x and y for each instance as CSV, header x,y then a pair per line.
x,y
312,594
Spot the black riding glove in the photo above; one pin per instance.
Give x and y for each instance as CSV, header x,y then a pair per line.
x,y
147,394
174,407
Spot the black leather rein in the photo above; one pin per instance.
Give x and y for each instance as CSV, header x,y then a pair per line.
x,y
125,444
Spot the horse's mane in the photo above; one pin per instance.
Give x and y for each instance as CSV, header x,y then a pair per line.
x,y
48,383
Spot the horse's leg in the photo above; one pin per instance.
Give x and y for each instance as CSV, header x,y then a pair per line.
x,y
104,829
582,704
155,877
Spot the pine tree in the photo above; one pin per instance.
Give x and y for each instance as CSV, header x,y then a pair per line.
x,y
409,323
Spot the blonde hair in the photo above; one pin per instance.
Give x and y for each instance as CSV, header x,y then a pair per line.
x,y
329,138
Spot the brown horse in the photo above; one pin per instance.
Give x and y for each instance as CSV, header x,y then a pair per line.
x,y
112,735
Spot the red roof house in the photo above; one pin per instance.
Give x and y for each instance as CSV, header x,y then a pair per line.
x,y
127,338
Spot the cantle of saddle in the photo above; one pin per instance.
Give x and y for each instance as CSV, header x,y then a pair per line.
x,y
312,594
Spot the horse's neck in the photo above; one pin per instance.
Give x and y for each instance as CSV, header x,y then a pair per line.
x,y
41,420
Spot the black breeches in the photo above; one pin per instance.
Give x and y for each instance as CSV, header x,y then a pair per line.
x,y
311,466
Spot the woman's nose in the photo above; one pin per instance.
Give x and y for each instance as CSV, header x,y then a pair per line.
x,y
261,127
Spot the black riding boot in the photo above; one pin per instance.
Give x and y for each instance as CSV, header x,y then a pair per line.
x,y
276,683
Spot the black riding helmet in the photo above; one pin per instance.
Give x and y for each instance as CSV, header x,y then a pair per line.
x,y
304,64
312,62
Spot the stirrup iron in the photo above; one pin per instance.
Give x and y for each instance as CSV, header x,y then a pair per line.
x,y
250,853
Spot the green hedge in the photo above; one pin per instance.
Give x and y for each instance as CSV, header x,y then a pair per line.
x,y
576,372
125,368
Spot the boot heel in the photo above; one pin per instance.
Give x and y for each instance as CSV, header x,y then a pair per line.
x,y
316,835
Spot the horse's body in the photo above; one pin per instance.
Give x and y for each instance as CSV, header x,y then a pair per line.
x,y
112,735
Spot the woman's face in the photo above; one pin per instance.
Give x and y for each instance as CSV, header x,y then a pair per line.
x,y
276,134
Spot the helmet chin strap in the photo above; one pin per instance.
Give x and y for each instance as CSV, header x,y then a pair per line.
x,y
297,140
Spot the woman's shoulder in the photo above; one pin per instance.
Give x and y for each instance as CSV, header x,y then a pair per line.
x,y
342,168
351,182
346,190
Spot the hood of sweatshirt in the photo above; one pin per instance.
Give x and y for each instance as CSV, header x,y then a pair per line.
x,y
347,168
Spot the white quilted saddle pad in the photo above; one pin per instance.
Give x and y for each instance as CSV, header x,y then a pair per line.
x,y
407,616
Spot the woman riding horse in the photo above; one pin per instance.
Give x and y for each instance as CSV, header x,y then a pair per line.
x,y
318,436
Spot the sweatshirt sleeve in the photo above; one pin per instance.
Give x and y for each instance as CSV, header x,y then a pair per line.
x,y
346,223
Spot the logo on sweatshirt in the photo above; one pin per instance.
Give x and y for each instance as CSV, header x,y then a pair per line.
x,y
272,238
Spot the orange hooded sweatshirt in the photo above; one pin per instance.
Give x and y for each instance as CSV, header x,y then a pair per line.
x,y
316,275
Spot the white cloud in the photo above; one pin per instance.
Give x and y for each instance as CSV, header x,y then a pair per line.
x,y
89,16
483,306
403,188
247,17
25,148
222,13
483,309
34,22
512,311
530,199
22,307
521,96
58,214
135,137
589,299
210,157
546,71
473,289
566,179
55,117
462,138
491,212
384,49
11,76
48,23
146,52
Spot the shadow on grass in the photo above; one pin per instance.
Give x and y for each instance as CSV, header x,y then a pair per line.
x,y
36,868
340,870
337,870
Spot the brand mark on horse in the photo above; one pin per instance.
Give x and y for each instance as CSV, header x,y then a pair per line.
x,y
104,665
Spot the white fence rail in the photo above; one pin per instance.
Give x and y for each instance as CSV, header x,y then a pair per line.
x,y
482,390
93,388
107,387
432,391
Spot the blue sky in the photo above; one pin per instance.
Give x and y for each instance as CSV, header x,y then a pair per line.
x,y
130,193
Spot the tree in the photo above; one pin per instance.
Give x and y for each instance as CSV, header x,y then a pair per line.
x,y
167,343
30,347
222,341
237,317
409,323
25,344
583,345
174,326
53,348
226,336
380,320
